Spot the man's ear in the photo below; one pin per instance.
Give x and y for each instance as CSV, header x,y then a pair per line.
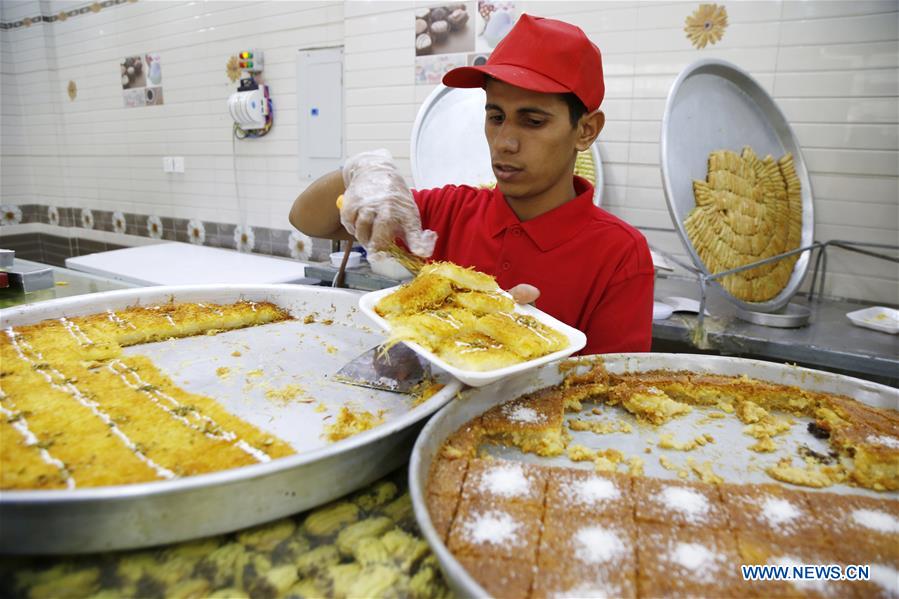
x,y
588,129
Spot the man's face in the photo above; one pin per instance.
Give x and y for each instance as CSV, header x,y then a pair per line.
x,y
532,142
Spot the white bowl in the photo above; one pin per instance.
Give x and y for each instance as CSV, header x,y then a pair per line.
x,y
576,341
354,260
387,266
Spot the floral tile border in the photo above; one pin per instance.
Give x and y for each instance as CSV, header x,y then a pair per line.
x,y
92,8
258,240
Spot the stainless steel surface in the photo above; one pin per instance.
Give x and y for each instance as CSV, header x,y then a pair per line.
x,y
29,277
475,402
68,283
791,316
449,146
118,517
829,340
397,369
6,258
715,105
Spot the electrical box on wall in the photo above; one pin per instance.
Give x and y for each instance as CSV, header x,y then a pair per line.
x,y
319,111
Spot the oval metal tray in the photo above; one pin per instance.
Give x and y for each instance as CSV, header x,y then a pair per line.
x,y
138,515
715,105
477,401
448,143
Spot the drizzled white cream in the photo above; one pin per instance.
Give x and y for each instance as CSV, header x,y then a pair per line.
x,y
157,396
75,331
94,407
21,425
115,318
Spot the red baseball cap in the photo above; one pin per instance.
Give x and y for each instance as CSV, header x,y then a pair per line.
x,y
542,55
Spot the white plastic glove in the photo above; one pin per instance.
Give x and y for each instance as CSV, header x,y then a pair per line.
x,y
378,206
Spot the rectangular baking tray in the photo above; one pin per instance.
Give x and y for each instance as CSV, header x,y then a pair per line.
x,y
576,341
877,318
725,463
271,357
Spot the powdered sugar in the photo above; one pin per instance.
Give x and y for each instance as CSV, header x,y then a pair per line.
x,y
779,511
691,504
492,527
697,558
885,441
876,520
507,480
519,413
594,590
591,490
597,544
886,578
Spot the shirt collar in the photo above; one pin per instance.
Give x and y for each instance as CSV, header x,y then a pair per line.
x,y
550,229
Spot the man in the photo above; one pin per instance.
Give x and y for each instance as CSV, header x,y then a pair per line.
x,y
538,232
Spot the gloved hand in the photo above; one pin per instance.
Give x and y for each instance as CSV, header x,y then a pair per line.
x,y
378,206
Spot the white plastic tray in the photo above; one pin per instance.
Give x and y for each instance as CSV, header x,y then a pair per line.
x,y
877,318
576,341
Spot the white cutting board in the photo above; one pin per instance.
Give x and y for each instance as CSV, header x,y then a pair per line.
x,y
175,263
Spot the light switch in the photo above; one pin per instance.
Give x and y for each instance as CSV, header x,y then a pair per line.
x,y
168,165
178,164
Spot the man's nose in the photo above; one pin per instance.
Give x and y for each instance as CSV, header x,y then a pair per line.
x,y
507,139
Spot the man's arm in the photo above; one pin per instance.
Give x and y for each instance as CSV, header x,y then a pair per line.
x,y
315,212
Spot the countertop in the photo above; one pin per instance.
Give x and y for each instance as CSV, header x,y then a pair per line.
x,y
67,283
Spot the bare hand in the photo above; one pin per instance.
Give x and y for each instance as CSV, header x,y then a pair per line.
x,y
524,293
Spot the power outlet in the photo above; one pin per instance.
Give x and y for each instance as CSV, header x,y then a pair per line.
x,y
168,164
178,164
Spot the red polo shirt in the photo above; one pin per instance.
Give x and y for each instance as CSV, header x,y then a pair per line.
x,y
593,270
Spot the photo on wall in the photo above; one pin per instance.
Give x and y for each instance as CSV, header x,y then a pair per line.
x,y
444,35
494,21
141,80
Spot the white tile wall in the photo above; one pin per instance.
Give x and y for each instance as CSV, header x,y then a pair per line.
x,y
831,65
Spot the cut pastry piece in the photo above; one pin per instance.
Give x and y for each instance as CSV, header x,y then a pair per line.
x,y
481,303
430,329
533,423
523,334
647,403
462,278
424,292
476,351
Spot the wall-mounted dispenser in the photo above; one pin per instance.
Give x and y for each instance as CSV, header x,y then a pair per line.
x,y
251,106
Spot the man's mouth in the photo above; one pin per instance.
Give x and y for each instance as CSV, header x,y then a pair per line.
x,y
506,172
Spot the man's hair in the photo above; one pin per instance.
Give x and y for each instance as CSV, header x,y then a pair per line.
x,y
576,108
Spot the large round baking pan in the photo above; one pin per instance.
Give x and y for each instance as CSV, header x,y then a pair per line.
x,y
127,516
475,402
715,105
448,143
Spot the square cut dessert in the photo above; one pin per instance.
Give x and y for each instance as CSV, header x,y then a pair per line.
x,y
442,509
446,476
678,503
487,529
679,562
756,549
501,578
504,481
858,521
572,491
533,423
586,555
771,511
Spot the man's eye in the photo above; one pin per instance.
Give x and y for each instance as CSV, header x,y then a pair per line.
x,y
495,118
534,122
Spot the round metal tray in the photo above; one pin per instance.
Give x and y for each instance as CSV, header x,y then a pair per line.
x,y
476,402
145,514
715,105
448,143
